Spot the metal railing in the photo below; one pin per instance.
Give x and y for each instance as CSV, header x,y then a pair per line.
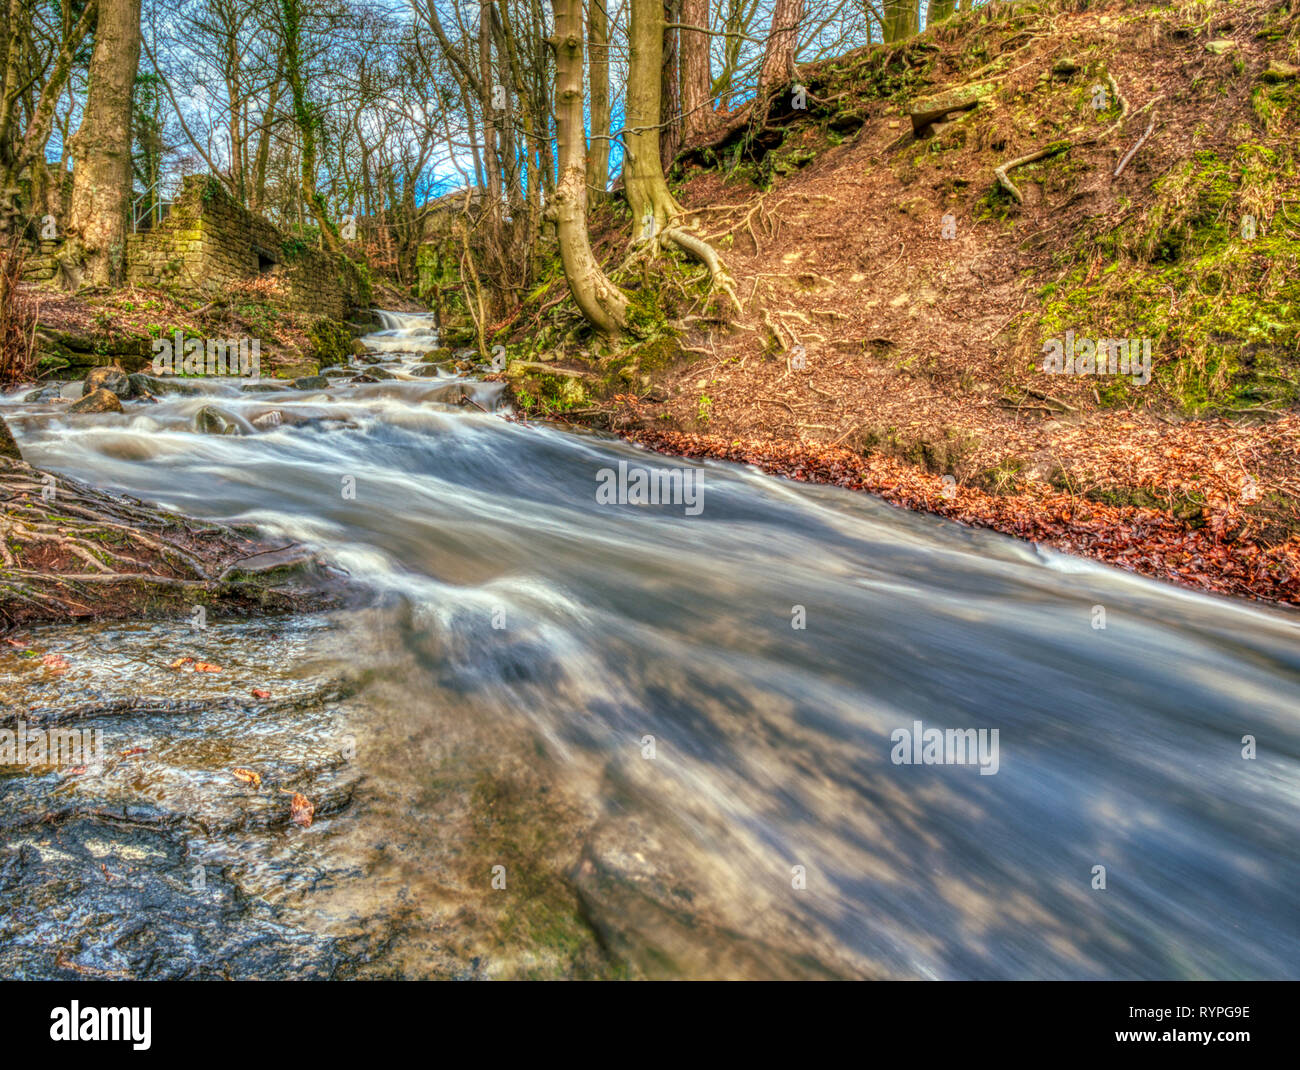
x,y
154,212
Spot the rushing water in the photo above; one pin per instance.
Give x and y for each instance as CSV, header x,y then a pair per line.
x,y
614,702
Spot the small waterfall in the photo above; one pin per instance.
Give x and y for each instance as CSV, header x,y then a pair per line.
x,y
404,332
406,321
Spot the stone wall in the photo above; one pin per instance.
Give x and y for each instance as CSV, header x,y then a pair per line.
x,y
209,241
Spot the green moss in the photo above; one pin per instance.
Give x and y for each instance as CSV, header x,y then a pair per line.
x,y
1210,273
331,343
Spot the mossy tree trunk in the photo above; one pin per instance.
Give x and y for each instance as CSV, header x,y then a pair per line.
x,y
27,152
653,206
95,251
901,19
602,303
306,117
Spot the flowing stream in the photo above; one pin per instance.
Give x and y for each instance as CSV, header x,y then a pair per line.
x,y
570,737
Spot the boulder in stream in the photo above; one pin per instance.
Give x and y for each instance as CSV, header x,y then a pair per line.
x,y
100,400
431,371
110,378
311,382
8,447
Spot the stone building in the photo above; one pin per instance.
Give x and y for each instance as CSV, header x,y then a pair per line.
x,y
209,241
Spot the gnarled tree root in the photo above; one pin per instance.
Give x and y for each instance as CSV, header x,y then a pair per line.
x,y
708,256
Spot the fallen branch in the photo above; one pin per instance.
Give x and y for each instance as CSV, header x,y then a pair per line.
x,y
1128,156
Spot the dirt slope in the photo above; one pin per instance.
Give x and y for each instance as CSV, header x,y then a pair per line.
x,y
897,298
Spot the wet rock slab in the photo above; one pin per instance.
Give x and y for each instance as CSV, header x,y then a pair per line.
x,y
150,858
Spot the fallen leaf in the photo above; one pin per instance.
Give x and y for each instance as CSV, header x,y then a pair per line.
x,y
134,751
180,662
77,770
56,663
301,810
259,693
206,666
247,776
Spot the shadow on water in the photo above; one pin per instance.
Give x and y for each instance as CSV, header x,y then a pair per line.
x,y
614,704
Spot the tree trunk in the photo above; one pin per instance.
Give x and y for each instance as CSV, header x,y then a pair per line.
x,y
653,207
670,101
598,76
697,103
101,176
600,300
939,10
900,19
778,57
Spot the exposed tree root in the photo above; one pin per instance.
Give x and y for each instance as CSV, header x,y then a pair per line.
x,y
708,256
1003,173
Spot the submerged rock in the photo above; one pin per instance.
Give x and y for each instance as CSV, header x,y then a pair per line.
x,y
100,400
311,382
48,392
268,420
142,385
211,420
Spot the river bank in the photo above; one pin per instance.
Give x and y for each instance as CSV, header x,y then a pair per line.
x,y
1219,558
